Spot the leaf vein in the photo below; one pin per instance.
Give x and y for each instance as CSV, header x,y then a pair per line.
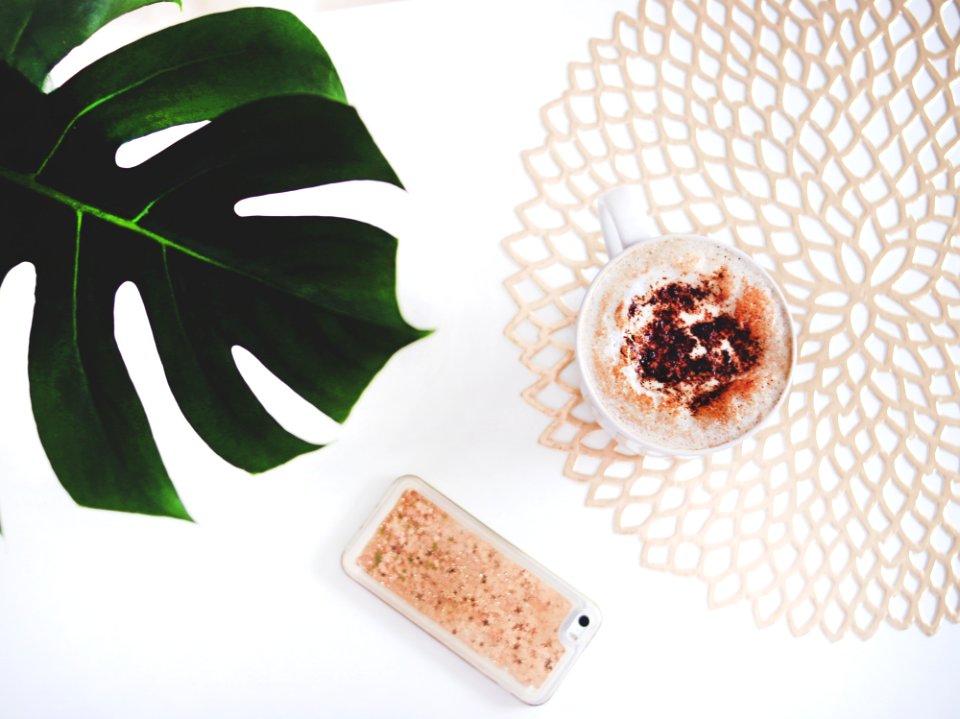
x,y
82,208
132,86
76,278
19,36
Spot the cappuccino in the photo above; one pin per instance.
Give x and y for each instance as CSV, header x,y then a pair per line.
x,y
685,343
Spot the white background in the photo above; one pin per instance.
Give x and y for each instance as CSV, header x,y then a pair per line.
x,y
247,613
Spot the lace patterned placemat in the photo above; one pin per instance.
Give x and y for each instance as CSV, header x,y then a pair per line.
x,y
822,139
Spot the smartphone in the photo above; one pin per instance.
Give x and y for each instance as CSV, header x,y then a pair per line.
x,y
484,599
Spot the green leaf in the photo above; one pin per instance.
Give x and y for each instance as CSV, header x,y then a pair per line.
x,y
36,34
312,297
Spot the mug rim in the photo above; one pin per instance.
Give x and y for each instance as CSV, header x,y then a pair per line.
x,y
624,431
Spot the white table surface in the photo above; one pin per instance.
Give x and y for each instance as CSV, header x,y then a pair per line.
x,y
247,613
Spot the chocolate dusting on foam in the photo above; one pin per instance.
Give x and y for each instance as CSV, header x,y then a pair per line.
x,y
690,347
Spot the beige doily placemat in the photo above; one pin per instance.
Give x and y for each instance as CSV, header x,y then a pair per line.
x,y
821,138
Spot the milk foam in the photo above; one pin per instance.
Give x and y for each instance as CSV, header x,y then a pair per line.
x,y
650,410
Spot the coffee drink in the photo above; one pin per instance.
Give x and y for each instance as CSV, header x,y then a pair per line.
x,y
685,343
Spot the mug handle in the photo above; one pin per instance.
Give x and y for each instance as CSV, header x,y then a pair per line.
x,y
624,218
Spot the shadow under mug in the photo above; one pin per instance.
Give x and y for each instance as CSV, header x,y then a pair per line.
x,y
625,224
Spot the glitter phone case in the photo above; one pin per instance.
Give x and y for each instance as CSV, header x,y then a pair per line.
x,y
465,585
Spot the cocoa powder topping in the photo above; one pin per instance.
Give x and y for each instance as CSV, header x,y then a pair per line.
x,y
694,351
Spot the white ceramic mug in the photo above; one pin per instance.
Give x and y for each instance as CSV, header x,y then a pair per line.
x,y
625,224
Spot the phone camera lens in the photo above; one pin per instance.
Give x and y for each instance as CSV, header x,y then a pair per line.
x,y
584,620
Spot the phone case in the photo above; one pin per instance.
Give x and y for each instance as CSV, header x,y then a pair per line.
x,y
483,598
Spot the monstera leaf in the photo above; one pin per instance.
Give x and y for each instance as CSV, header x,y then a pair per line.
x,y
312,297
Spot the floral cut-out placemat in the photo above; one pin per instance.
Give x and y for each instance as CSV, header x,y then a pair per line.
x,y
823,140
